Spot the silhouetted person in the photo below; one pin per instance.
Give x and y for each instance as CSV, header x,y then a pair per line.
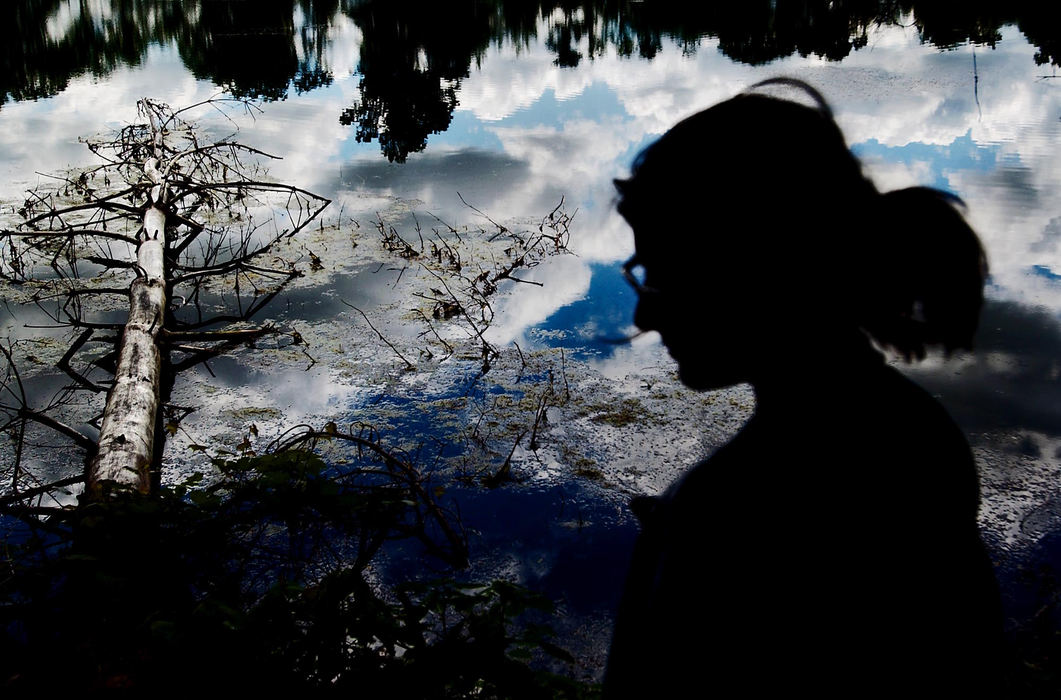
x,y
831,547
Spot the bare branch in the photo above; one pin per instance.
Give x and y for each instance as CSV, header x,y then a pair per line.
x,y
408,365
41,490
82,440
69,233
500,228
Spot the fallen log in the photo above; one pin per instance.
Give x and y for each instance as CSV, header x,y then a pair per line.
x,y
167,182
127,437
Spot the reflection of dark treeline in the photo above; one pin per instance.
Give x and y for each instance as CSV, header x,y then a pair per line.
x,y
759,31
414,53
250,47
247,47
39,60
411,66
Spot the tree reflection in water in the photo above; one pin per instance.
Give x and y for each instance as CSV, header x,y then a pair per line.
x,y
411,66
414,54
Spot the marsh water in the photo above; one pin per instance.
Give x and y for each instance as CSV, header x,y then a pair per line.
x,y
449,120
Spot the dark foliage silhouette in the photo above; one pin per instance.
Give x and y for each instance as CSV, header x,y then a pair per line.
x,y
263,581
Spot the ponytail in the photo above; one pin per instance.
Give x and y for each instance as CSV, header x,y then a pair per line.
x,y
928,284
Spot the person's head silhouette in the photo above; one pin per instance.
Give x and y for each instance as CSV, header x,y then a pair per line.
x,y
756,230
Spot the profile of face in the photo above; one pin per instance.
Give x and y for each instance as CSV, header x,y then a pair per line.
x,y
740,215
705,318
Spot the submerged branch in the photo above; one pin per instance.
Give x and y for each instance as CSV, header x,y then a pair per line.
x,y
236,336
69,233
64,362
82,440
41,490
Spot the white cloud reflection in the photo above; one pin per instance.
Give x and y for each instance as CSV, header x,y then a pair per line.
x,y
564,279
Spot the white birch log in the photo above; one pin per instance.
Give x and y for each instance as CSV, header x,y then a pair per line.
x,y
127,436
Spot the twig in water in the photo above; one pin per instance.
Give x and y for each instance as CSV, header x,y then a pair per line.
x,y
40,490
451,229
500,228
505,472
408,365
431,328
522,360
563,372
